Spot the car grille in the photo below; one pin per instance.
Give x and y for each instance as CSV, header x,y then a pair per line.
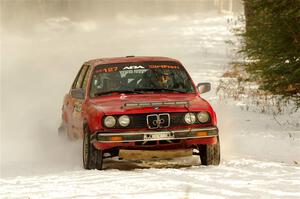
x,y
155,121
140,120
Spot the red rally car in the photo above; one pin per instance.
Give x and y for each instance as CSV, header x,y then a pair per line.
x,y
138,103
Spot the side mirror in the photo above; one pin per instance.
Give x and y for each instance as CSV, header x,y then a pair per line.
x,y
78,93
203,87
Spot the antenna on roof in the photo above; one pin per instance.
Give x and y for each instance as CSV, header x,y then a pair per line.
x,y
129,56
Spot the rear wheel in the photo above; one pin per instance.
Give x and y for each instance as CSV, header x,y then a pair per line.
x,y
210,153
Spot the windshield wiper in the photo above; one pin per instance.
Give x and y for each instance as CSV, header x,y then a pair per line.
x,y
160,89
117,91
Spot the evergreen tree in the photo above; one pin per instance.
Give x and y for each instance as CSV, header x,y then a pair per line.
x,y
271,43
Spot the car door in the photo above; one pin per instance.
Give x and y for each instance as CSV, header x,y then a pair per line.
x,y
77,116
70,101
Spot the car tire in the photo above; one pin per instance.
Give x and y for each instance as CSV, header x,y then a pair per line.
x,y
88,150
92,157
99,159
210,153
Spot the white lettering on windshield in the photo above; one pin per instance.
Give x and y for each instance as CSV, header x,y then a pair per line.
x,y
133,67
139,71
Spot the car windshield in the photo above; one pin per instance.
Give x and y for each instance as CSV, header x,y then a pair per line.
x,y
142,77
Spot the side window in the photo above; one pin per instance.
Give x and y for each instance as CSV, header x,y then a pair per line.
x,y
86,77
78,81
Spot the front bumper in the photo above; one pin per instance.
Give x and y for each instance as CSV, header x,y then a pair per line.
x,y
181,134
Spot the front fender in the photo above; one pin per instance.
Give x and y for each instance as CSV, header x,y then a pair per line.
x,y
92,117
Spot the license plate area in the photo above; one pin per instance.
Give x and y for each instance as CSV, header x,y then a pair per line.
x,y
158,136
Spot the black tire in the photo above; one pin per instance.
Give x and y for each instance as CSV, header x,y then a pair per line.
x,y
88,151
210,153
99,159
92,158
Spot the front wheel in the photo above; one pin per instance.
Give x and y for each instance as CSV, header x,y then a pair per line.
x,y
92,157
210,153
99,159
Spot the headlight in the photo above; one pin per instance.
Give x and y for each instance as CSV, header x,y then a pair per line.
x,y
124,120
190,118
203,117
109,121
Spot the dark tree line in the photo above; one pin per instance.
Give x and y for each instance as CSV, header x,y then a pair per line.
x,y
271,45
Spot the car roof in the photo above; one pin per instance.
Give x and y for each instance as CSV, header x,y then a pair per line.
x,y
114,60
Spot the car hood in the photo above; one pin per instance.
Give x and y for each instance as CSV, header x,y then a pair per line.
x,y
146,103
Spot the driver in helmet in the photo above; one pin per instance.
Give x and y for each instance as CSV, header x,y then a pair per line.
x,y
164,80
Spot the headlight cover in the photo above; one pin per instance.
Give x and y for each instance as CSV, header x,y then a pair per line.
x,y
190,118
109,121
203,117
124,120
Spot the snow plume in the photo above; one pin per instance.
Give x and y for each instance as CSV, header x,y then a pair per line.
x,y
32,95
36,72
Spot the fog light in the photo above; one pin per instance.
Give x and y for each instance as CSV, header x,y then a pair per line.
x,y
201,133
116,138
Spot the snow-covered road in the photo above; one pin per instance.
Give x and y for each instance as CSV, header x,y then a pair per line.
x,y
43,46
243,178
